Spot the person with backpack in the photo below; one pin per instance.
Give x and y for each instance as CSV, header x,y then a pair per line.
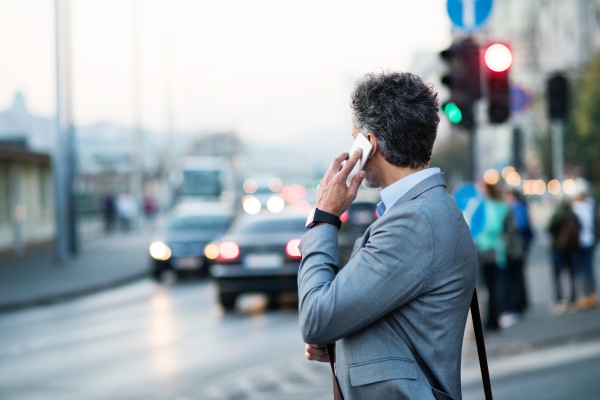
x,y
564,229
518,237
583,207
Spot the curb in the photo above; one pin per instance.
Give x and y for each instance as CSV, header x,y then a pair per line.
x,y
521,348
56,298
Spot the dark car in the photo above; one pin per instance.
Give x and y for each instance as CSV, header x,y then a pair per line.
x,y
178,246
258,254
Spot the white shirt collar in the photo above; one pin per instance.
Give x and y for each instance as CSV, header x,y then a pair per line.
x,y
391,194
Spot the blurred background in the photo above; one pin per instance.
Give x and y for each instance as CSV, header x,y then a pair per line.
x,y
158,160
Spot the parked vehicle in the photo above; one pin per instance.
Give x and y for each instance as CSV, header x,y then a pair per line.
x,y
359,216
259,253
177,248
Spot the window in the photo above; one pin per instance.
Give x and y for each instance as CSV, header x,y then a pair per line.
x,y
275,226
198,223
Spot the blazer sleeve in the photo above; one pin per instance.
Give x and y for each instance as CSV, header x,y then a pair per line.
x,y
388,272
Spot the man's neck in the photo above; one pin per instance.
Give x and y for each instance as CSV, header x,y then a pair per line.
x,y
394,174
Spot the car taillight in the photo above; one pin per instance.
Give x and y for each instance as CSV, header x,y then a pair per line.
x,y
344,216
228,250
292,248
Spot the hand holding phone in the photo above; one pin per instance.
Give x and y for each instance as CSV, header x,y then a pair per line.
x,y
366,146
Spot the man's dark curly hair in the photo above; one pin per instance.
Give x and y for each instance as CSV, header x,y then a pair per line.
x,y
401,111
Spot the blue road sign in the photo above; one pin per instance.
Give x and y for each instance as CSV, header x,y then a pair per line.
x,y
520,99
470,202
469,15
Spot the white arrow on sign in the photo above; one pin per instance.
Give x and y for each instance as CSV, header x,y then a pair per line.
x,y
468,13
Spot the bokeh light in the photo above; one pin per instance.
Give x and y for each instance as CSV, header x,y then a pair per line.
x,y
250,186
302,207
315,184
275,184
292,248
539,187
211,251
498,57
527,187
160,251
507,170
275,204
491,176
568,186
229,250
299,181
251,204
293,194
554,186
513,178
344,217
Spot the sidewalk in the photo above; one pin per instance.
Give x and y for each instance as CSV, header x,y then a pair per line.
x,y
37,278
539,328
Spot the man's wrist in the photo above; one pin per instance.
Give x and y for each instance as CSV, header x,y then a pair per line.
x,y
317,224
319,216
330,211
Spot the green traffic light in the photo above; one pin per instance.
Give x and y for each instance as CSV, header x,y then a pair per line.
x,y
453,113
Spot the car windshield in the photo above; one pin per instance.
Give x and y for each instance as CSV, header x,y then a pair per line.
x,y
201,183
275,226
198,222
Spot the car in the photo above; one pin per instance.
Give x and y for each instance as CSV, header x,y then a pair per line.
x,y
359,216
177,248
259,253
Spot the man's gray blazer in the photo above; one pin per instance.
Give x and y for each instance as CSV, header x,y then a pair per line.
x,y
397,310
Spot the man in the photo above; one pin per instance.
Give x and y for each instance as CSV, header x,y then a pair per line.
x,y
397,310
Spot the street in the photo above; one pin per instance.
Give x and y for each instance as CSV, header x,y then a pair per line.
x,y
145,341
148,341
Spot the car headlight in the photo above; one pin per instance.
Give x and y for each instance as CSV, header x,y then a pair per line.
x,y
160,251
211,251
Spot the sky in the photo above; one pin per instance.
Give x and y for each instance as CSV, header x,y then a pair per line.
x,y
272,71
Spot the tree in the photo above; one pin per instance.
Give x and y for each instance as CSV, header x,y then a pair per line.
x,y
582,129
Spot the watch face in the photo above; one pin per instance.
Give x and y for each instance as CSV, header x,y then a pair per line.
x,y
311,217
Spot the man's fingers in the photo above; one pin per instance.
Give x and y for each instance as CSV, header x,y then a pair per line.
x,y
350,164
355,182
336,164
316,352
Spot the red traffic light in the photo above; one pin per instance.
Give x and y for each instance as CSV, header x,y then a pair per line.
x,y
498,57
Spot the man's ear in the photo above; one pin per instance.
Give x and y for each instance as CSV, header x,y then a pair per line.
x,y
373,141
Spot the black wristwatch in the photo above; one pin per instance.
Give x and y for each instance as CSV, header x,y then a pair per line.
x,y
316,215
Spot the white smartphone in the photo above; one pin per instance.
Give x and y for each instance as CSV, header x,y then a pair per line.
x,y
366,146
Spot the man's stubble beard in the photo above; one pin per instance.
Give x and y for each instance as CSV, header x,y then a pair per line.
x,y
368,181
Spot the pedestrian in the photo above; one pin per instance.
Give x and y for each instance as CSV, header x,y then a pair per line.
x,y
585,209
516,288
109,211
491,250
564,229
397,310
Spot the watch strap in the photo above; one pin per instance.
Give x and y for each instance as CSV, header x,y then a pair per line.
x,y
322,216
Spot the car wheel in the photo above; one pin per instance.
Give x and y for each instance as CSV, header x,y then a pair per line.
x,y
272,301
228,300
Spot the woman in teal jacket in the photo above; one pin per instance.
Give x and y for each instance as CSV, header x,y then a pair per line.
x,y
492,251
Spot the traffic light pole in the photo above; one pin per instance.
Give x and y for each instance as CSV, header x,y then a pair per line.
x,y
472,167
558,162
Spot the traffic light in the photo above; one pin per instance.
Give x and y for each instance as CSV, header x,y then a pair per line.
x,y
463,81
557,97
498,59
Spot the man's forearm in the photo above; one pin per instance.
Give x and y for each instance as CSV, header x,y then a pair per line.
x,y
319,248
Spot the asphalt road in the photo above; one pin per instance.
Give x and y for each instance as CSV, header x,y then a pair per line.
x,y
153,342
